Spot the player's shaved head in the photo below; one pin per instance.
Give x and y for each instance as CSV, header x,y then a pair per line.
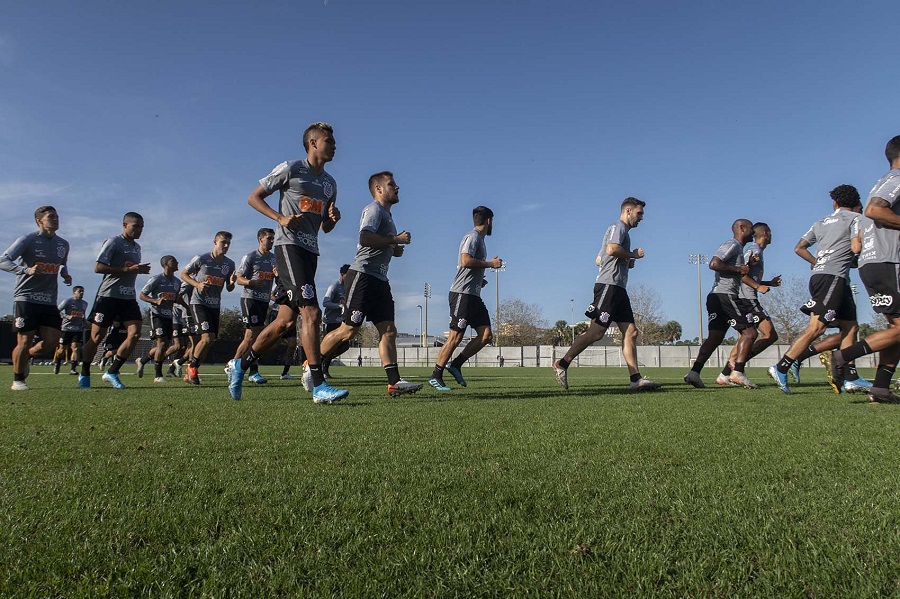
x,y
379,179
315,130
132,217
845,196
741,223
760,228
165,259
892,150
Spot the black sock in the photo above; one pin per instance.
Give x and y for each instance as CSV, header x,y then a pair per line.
x,y
727,370
438,372
316,371
393,373
458,361
254,369
883,376
851,375
739,366
117,363
784,364
194,363
19,376
562,363
635,377
857,350
284,371
809,352
158,366
249,359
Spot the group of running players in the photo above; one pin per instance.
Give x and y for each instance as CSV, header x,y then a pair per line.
x,y
283,268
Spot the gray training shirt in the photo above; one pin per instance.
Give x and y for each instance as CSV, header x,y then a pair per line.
x,y
374,261
215,273
614,271
756,270
165,288
332,299
732,254
879,244
258,267
302,192
48,254
468,280
833,234
72,312
119,252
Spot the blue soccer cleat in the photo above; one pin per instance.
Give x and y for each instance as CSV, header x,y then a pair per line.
x,y
457,375
438,384
325,393
858,385
84,381
794,371
235,379
781,379
257,378
113,379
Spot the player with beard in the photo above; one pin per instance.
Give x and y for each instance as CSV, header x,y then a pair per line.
x,y
120,263
368,294
725,308
611,302
333,301
72,310
161,292
467,309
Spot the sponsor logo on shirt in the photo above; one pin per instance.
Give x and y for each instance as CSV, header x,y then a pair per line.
x,y
310,205
215,281
39,297
265,275
45,268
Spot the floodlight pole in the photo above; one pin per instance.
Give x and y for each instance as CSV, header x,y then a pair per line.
x,y
497,306
425,323
699,259
421,327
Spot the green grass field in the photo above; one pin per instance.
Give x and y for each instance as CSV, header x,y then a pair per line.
x,y
511,487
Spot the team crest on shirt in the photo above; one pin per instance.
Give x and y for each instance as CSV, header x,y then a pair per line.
x,y
604,317
829,316
61,251
328,189
308,291
356,317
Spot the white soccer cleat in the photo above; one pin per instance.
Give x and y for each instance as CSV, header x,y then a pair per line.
x,y
724,380
562,375
739,378
159,379
289,377
307,378
402,387
644,384
19,386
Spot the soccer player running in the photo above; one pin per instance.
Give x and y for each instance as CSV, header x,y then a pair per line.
x,y
208,274
831,303
333,301
38,259
72,310
161,292
307,204
611,302
467,309
753,284
120,263
256,274
879,269
725,308
368,290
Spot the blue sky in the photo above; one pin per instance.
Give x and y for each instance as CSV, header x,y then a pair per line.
x,y
548,112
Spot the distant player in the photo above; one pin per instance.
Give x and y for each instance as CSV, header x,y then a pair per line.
x,y
467,309
611,302
879,269
161,292
831,303
208,274
73,311
307,204
38,259
333,301
256,274
725,308
368,294
120,263
753,284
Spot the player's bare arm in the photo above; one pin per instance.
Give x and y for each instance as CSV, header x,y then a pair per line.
x,y
802,250
257,201
717,265
760,286
106,269
467,261
187,278
617,251
880,211
331,219
369,239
